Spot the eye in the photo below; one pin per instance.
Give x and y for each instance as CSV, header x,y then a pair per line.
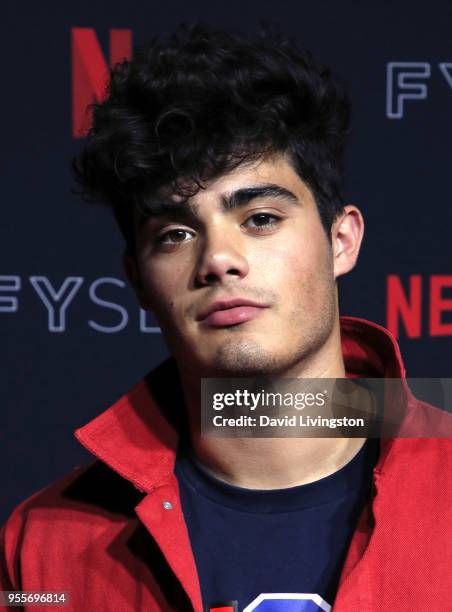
x,y
174,236
262,221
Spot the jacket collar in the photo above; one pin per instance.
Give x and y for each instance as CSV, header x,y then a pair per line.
x,y
139,443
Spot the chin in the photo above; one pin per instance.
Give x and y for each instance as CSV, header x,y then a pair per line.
x,y
243,358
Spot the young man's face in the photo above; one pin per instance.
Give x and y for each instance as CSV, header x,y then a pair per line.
x,y
241,277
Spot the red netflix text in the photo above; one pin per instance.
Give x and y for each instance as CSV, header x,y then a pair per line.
x,y
404,305
90,71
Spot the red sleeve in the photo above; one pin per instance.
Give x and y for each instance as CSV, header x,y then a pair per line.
x,y
8,562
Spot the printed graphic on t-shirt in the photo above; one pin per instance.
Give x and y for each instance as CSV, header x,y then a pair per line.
x,y
277,602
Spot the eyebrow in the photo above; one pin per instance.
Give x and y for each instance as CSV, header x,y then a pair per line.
x,y
242,197
236,199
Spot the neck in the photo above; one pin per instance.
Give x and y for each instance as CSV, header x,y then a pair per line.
x,y
273,463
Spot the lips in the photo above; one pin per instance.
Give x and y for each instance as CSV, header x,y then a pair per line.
x,y
231,312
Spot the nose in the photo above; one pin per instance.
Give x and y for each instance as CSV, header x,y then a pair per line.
x,y
221,260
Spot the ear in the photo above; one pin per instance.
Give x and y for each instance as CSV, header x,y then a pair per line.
x,y
133,275
347,233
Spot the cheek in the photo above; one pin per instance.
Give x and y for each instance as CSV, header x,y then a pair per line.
x,y
284,266
162,285
301,275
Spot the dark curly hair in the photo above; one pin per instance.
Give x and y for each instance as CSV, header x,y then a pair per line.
x,y
195,105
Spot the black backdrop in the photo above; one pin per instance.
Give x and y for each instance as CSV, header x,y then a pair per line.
x,y
60,256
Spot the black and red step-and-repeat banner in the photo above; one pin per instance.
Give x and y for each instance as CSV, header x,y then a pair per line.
x,y
72,335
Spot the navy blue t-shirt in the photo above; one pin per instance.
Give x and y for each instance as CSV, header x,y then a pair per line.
x,y
273,550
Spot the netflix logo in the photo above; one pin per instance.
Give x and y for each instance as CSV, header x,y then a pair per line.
x,y
90,71
407,301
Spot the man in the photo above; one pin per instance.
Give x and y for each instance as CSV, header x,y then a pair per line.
x,y
221,159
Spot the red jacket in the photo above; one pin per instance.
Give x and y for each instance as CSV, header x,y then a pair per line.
x,y
106,534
